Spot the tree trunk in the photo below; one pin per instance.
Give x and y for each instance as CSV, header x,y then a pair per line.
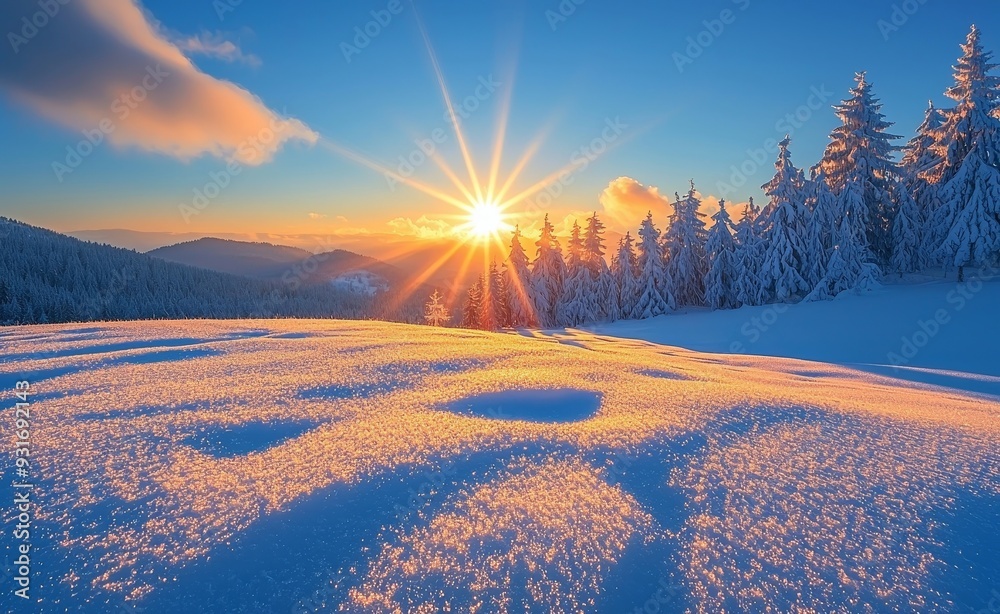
x,y
961,274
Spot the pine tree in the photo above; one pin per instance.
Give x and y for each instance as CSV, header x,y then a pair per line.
x,y
625,272
783,226
907,256
495,312
720,249
548,273
968,218
749,259
654,294
850,266
603,284
517,279
921,167
823,218
861,150
435,313
576,305
920,154
684,248
472,310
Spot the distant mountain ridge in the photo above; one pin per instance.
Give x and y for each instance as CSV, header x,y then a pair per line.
x,y
261,260
281,262
50,277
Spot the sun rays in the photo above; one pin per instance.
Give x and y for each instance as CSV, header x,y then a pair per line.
x,y
484,216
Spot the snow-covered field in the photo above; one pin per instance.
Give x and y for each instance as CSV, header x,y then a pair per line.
x,y
303,465
934,331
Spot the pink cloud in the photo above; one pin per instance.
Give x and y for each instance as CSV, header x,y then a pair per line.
x,y
626,202
101,65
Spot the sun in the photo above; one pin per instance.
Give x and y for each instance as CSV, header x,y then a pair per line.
x,y
486,219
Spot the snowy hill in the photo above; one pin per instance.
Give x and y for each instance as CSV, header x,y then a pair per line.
x,y
932,331
282,465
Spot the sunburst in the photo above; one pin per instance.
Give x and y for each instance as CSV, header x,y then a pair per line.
x,y
484,210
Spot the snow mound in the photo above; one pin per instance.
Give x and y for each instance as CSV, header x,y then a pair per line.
x,y
532,405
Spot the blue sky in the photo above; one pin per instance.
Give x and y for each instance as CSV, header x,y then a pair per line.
x,y
569,75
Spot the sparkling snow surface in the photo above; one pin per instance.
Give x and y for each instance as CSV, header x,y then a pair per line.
x,y
310,465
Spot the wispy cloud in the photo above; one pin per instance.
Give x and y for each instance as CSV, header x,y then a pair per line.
x,y
91,68
216,45
423,227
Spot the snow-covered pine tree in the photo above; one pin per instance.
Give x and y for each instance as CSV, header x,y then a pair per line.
x,y
435,312
850,266
860,149
684,249
720,250
816,257
921,168
783,225
548,273
473,307
625,272
749,258
496,301
603,289
921,155
654,296
517,279
823,219
968,218
907,255
574,307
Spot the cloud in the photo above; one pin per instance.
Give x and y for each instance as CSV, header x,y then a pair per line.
x,y
626,202
316,216
424,227
216,46
102,67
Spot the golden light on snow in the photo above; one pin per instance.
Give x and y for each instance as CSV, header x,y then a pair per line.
x,y
799,482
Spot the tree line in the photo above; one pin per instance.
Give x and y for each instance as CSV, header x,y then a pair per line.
x,y
868,209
